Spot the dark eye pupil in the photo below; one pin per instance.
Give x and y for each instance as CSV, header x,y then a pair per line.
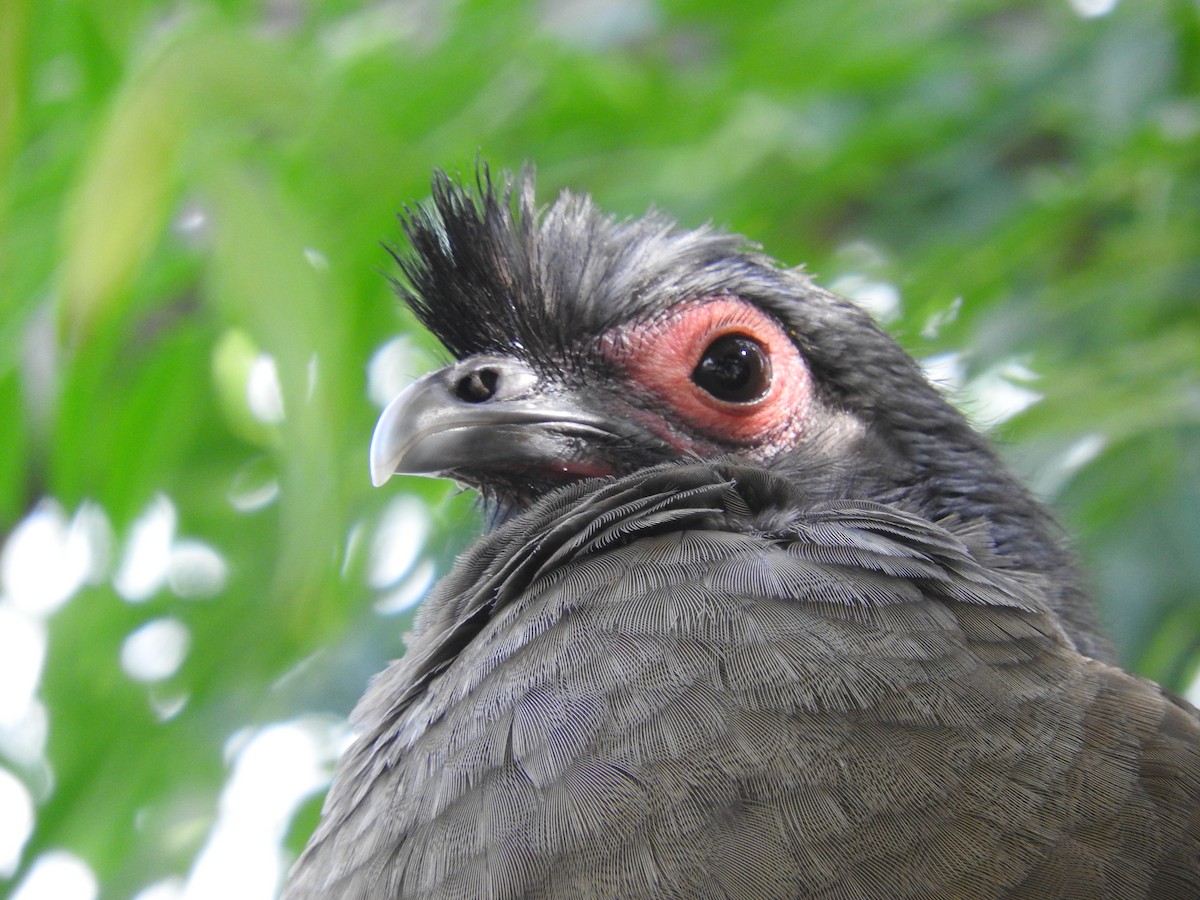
x,y
734,368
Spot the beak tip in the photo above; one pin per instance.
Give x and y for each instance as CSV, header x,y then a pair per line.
x,y
383,455
382,468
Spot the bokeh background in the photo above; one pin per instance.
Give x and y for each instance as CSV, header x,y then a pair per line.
x,y
196,334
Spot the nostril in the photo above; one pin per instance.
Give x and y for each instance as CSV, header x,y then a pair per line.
x,y
478,385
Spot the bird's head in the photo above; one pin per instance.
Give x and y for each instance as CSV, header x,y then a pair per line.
x,y
588,346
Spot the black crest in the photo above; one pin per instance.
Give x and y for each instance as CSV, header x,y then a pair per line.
x,y
491,272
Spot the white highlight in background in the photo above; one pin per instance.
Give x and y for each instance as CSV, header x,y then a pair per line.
x,y
155,651
274,770
397,541
409,592
263,393
393,367
990,398
195,569
16,821
1193,692
23,741
254,486
1093,9
168,889
147,554
58,875
47,559
22,655
998,394
880,298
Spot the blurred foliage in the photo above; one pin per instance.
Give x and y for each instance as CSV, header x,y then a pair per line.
x,y
189,189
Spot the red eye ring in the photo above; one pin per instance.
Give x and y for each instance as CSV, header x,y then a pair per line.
x,y
660,357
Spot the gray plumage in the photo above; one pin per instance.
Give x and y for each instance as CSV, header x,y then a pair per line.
x,y
860,668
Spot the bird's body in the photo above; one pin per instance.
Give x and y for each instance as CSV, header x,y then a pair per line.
x,y
798,642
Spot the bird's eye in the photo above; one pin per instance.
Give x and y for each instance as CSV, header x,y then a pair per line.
x,y
734,368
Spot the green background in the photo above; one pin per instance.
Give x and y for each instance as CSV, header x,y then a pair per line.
x,y
187,188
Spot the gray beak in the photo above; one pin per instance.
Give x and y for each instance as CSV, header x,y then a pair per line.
x,y
483,414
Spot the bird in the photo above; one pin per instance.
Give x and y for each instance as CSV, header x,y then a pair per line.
x,y
758,613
